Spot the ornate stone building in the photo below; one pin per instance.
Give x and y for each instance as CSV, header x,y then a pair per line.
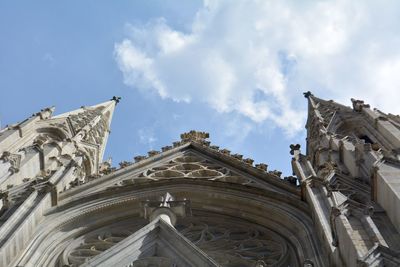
x,y
195,204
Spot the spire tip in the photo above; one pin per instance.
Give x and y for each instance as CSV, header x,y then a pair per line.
x,y
116,99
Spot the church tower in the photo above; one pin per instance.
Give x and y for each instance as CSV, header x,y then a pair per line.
x,y
350,178
41,157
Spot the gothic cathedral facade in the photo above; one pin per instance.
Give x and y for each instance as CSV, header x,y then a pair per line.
x,y
195,204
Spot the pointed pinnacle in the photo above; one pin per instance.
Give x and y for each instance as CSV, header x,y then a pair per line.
x,y
307,94
116,99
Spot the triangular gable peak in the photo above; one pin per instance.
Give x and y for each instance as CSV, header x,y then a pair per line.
x,y
90,125
191,158
158,244
322,112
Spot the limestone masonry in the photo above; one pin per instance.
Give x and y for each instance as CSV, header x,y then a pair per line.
x,y
195,204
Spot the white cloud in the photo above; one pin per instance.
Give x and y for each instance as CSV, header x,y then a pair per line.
x,y
255,57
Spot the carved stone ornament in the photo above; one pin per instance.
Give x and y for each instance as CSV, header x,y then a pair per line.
x,y
13,159
262,166
139,158
294,148
116,99
168,206
307,94
194,136
40,140
358,105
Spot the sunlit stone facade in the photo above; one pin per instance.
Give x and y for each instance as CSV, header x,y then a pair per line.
x,y
195,204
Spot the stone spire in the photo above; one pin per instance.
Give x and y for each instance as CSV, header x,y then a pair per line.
x,y
323,110
91,125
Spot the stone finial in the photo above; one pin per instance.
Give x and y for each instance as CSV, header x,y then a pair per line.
x,y
139,158
166,148
124,164
294,148
45,113
225,151
177,143
248,161
262,166
153,153
116,99
194,136
307,94
275,172
206,143
291,179
358,105
237,156
105,167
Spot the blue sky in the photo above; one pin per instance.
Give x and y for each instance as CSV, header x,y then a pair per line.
x,y
236,69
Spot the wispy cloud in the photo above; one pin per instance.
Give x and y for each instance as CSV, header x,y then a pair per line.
x,y
255,58
147,137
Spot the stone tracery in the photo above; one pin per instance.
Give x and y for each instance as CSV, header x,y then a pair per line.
x,y
192,166
230,243
233,244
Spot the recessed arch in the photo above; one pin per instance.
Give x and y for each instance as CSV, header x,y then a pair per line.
x,y
286,217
